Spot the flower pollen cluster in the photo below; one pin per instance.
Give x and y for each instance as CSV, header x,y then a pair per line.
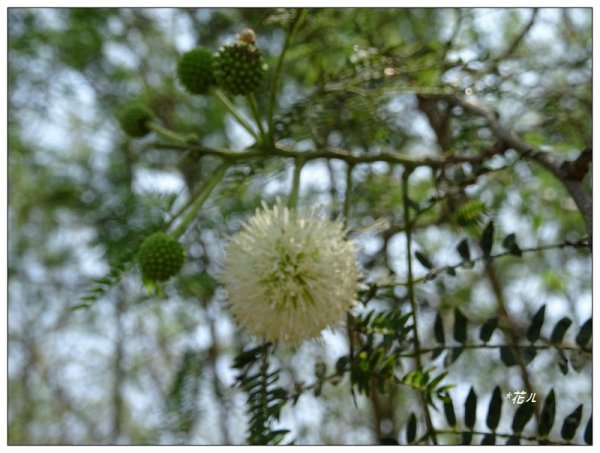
x,y
289,275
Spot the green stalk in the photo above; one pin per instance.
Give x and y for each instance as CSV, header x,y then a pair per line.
x,y
166,133
202,196
293,201
411,296
186,205
254,109
236,114
277,73
347,197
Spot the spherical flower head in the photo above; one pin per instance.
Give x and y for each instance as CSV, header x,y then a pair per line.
x,y
134,120
239,68
195,72
160,256
289,275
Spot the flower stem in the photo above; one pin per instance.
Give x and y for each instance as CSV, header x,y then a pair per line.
x,y
347,197
236,114
411,295
277,73
201,197
293,201
166,133
256,115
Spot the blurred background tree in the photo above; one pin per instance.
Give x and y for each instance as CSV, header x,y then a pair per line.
x,y
456,141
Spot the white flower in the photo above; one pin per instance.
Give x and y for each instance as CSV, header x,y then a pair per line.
x,y
289,275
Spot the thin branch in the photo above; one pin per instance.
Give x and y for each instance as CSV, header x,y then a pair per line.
x,y
497,346
347,196
437,271
412,298
255,113
514,435
518,39
280,150
552,163
277,74
293,200
199,201
236,114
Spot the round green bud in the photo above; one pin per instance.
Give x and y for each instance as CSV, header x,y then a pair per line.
x,y
239,68
160,256
134,120
195,71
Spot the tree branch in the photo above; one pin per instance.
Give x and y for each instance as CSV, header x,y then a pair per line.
x,y
563,170
513,46
388,156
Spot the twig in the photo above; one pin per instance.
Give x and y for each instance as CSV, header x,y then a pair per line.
x,y
515,43
202,196
236,114
277,74
553,164
411,297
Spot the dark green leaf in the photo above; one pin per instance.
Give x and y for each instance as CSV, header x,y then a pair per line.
x,y
513,440
79,306
436,380
507,356
509,241
449,412
529,353
453,355
423,260
571,423
533,333
411,429
460,326
547,414
522,416
487,239
510,244
470,409
562,362
340,365
438,329
578,359
248,356
587,435
388,441
413,204
456,352
488,439
451,272
487,329
466,438
559,330
494,409
585,334
436,352
463,250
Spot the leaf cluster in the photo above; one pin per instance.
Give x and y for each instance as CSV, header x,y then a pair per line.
x,y
265,398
